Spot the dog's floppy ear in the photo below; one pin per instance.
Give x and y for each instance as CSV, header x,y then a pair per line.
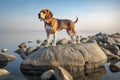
x,y
49,14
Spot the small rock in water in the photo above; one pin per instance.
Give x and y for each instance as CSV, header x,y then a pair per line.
x,y
114,68
6,57
3,58
23,45
3,73
29,41
38,41
4,50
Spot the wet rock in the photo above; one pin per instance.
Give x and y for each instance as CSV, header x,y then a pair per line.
x,y
30,50
62,74
62,42
3,57
38,41
23,45
108,40
21,50
111,57
11,57
4,50
114,68
113,48
48,75
68,56
3,73
7,57
58,72
22,53
106,51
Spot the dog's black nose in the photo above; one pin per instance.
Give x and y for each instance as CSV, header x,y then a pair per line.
x,y
39,15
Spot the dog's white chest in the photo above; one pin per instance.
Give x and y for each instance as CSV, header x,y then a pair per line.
x,y
49,29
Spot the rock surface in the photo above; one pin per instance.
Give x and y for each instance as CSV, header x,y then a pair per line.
x,y
62,42
71,57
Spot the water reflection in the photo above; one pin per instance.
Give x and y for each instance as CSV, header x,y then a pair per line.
x,y
97,74
3,64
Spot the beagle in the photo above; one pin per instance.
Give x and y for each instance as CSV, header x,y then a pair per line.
x,y
53,25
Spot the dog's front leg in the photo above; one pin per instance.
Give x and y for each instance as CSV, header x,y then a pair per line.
x,y
54,40
48,43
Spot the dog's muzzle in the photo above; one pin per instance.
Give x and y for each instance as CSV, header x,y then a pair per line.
x,y
39,17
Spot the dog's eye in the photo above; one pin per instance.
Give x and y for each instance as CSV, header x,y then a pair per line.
x,y
43,11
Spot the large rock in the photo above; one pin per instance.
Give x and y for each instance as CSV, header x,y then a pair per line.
x,y
71,57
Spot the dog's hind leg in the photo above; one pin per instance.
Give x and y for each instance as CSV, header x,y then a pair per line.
x,y
70,34
76,35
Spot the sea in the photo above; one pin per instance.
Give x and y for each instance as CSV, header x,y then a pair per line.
x,y
11,40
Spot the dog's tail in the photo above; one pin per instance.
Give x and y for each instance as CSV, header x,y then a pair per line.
x,y
76,19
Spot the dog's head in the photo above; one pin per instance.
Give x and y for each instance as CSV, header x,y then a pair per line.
x,y
45,14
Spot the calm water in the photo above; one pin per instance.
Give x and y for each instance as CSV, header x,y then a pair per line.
x,y
11,39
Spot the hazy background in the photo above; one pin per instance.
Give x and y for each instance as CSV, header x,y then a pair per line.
x,y
94,15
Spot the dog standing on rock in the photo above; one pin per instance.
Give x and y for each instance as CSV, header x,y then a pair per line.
x,y
53,25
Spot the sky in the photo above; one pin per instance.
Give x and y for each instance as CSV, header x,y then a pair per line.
x,y
94,15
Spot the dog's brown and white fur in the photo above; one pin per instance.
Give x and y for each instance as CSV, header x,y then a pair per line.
x,y
53,25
